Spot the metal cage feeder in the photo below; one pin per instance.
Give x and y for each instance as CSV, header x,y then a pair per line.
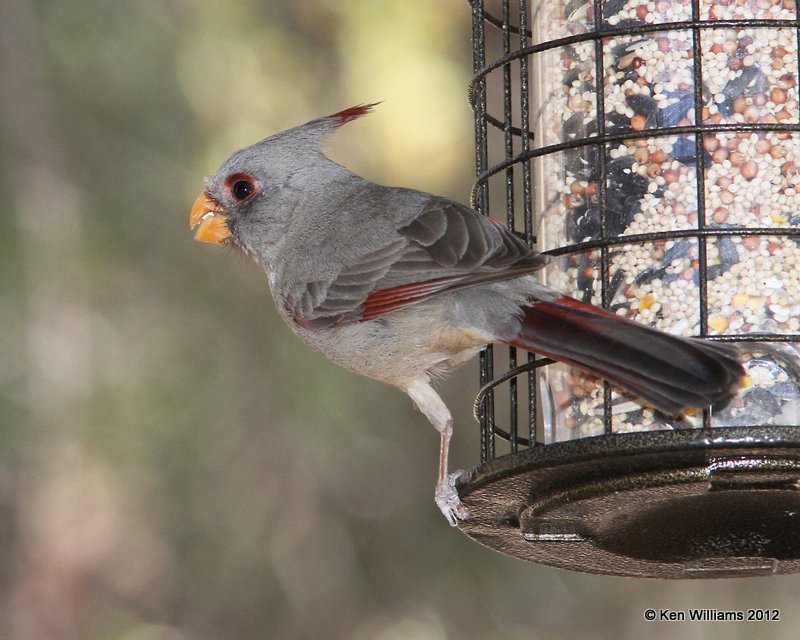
x,y
654,148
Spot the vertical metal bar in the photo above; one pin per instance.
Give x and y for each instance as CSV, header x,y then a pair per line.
x,y
513,408
481,163
700,179
599,71
527,193
797,43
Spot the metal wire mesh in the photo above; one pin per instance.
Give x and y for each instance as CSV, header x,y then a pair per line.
x,y
506,150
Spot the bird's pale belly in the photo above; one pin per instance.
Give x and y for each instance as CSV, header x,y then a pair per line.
x,y
399,347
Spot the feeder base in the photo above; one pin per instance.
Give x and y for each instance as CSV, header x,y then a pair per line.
x,y
714,503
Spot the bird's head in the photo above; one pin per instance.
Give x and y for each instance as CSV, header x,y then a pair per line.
x,y
244,198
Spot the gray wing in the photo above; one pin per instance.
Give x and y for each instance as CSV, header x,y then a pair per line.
x,y
448,246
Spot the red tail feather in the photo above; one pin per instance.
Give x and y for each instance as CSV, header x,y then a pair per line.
x,y
669,372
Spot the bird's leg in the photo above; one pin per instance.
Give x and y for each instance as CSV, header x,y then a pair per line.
x,y
434,408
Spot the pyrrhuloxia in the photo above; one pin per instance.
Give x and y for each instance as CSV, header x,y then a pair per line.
x,y
401,285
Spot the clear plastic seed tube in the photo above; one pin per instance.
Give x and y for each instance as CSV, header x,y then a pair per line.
x,y
689,131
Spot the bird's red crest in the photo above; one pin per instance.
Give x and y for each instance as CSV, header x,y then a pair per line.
x,y
343,117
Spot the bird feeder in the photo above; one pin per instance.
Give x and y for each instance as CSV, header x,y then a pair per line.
x,y
653,148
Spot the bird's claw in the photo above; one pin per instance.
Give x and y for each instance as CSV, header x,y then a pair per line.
x,y
448,501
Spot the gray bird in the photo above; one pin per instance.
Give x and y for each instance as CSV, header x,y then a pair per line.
x,y
403,286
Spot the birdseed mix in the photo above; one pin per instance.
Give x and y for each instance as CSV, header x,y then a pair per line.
x,y
746,179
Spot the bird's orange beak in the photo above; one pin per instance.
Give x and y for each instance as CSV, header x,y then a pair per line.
x,y
211,218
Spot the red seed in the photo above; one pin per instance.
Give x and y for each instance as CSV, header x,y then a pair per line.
x,y
654,170
778,95
638,122
777,151
751,242
749,170
724,182
779,52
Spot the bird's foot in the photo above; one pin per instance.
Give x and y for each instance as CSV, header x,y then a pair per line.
x,y
448,501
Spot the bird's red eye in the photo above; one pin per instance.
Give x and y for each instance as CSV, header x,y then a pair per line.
x,y
241,186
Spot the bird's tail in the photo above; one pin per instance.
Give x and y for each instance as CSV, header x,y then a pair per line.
x,y
668,372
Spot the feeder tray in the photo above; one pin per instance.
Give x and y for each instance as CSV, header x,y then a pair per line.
x,y
652,148
683,504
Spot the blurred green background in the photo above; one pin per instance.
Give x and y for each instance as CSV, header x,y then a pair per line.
x,y
173,463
